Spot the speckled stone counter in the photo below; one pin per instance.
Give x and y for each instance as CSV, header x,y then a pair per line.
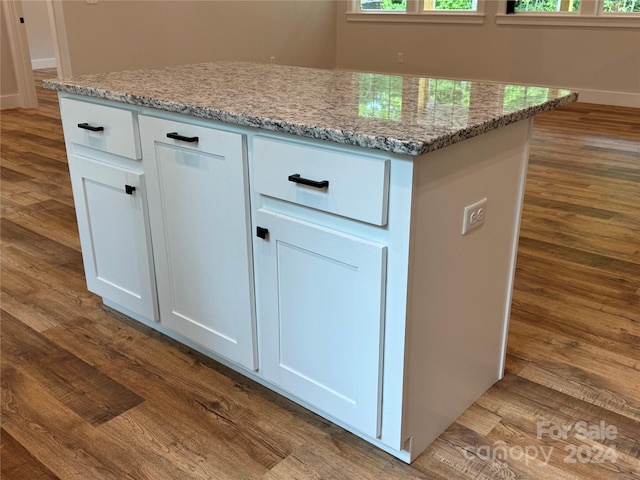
x,y
401,114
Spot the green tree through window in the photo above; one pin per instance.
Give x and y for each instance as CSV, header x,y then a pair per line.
x,y
547,5
383,4
517,97
380,96
401,5
621,6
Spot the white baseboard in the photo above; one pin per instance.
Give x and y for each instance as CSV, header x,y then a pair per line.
x,y
603,97
38,63
10,101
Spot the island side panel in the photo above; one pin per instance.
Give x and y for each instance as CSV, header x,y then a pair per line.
x,y
460,285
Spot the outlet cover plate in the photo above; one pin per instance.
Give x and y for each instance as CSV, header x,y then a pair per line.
x,y
474,215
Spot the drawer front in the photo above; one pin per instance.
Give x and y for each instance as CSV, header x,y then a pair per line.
x,y
186,136
110,129
353,186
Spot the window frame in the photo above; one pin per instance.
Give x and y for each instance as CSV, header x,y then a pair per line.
x,y
415,13
590,14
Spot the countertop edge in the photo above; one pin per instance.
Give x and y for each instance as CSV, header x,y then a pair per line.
x,y
497,122
387,144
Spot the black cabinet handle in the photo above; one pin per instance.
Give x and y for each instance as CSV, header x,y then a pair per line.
x,y
86,126
262,232
128,189
182,138
296,178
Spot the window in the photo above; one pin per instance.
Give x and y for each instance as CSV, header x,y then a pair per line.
x,y
621,6
547,5
432,11
589,13
583,13
424,5
606,6
443,5
386,5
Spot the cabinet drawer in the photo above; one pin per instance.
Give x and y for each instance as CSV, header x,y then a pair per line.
x,y
354,186
110,129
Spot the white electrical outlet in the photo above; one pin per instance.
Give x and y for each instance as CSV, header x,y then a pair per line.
x,y
272,60
400,58
474,215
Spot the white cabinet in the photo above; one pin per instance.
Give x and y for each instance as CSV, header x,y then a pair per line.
x,y
321,317
321,292
109,194
370,306
199,211
112,222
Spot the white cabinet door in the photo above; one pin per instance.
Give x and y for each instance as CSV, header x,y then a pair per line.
x,y
114,234
321,304
198,205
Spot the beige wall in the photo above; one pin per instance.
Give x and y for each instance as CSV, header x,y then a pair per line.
x,y
602,59
36,18
118,35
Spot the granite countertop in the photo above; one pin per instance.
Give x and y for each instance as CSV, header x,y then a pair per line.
x,y
396,113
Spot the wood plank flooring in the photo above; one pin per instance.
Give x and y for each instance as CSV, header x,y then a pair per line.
x,y
87,395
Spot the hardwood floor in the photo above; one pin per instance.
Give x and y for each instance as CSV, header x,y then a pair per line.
x,y
87,395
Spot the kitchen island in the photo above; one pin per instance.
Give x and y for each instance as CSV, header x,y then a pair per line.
x,y
347,239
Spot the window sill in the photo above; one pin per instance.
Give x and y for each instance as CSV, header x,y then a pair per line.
x,y
568,20
402,17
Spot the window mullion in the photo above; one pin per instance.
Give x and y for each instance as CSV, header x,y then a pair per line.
x,y
599,7
414,6
591,7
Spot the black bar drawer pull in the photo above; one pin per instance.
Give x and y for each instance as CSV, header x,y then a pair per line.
x,y
86,126
182,138
128,189
296,178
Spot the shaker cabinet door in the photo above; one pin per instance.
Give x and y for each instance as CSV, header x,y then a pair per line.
x,y
321,304
198,205
114,234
